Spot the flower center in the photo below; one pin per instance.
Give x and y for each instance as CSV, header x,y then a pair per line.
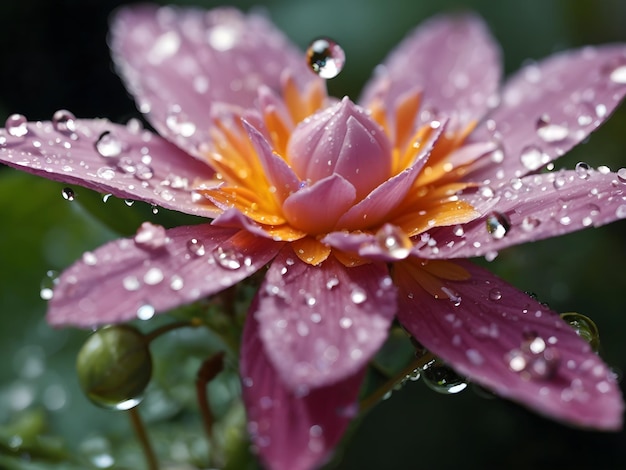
x,y
306,166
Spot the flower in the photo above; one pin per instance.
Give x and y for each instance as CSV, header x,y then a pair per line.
x,y
363,212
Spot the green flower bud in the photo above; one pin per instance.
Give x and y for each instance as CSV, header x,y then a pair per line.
x,y
114,367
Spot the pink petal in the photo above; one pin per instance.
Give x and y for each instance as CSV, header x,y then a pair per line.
x,y
505,340
178,62
549,107
341,140
279,174
455,62
292,431
128,278
315,209
321,324
533,208
374,208
139,164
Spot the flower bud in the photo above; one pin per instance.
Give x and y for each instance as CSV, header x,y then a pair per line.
x,y
114,367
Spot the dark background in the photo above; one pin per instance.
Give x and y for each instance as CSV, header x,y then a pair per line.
x,y
53,55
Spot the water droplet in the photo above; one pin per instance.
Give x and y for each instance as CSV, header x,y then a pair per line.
x,y
534,359
549,132
583,170
442,379
50,280
129,202
68,194
228,258
618,74
179,123
108,145
498,225
143,172
584,327
332,283
64,121
621,211
532,157
131,283
196,247
145,312
106,173
358,295
495,294
16,125
621,175
153,276
325,57
529,223
394,241
89,258
150,236
176,283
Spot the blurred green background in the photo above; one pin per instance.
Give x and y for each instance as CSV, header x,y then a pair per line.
x,y
54,55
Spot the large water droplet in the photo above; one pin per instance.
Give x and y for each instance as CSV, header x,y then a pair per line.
x,y
196,247
532,157
50,280
358,295
68,194
64,122
583,170
549,132
228,258
145,312
442,379
498,225
108,145
394,241
153,276
584,327
16,125
150,236
325,57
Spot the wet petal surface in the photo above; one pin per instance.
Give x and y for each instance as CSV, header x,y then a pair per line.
x,y
136,278
507,341
126,161
322,323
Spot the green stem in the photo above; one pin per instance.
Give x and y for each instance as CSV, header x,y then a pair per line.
x,y
169,327
142,436
207,372
368,402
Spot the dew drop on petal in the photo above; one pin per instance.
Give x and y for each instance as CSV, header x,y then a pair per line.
x,y
394,241
549,132
498,225
179,123
153,276
108,145
621,175
533,158
495,294
150,236
228,258
89,258
196,247
46,288
68,194
16,125
621,211
584,327
583,170
358,295
176,282
529,223
534,359
145,312
131,283
618,74
325,57
64,121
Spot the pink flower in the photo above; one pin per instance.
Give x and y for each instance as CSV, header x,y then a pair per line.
x,y
363,212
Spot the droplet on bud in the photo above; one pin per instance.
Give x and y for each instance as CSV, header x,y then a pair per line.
x,y
114,367
325,57
584,327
